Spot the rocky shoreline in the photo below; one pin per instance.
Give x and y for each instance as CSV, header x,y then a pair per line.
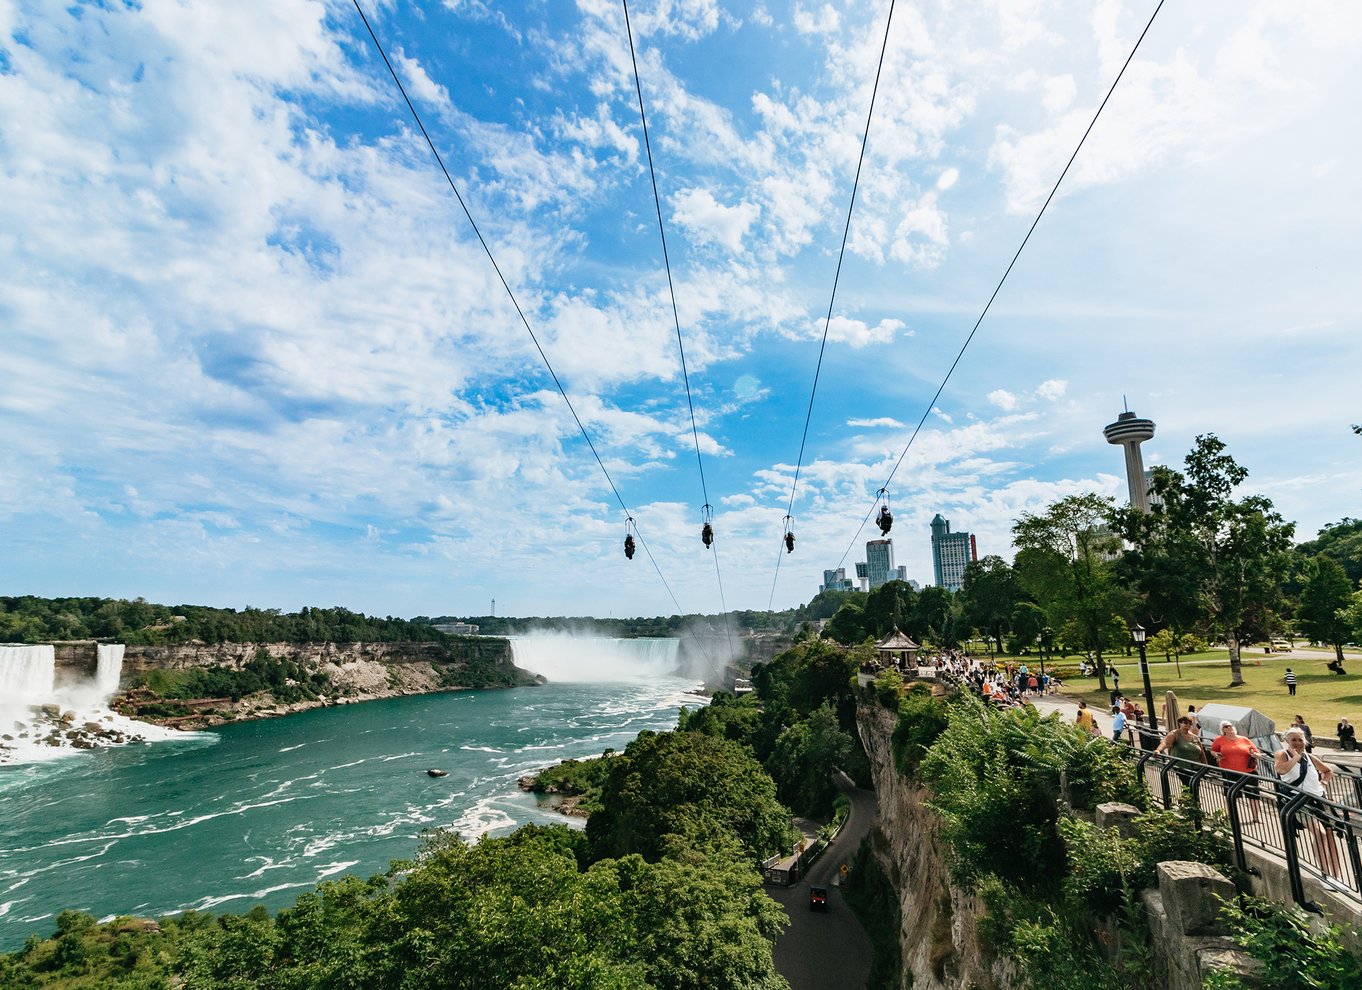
x,y
51,726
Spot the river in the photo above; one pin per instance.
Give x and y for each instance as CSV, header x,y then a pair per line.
x,y
256,812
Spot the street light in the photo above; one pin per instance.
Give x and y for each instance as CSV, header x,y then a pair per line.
x,y
1137,633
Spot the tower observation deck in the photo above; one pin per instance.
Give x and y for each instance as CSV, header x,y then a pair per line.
x,y
1130,431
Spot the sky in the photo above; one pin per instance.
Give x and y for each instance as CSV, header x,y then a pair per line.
x,y
254,353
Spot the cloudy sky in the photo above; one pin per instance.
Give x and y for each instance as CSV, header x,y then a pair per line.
x,y
253,352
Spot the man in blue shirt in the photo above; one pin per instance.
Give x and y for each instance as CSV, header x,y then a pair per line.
x,y
1118,723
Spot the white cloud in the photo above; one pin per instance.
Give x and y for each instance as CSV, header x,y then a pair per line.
x,y
709,220
883,421
824,20
947,179
1003,399
1052,389
857,333
418,83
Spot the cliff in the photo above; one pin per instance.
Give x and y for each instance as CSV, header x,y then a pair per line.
x,y
332,673
939,936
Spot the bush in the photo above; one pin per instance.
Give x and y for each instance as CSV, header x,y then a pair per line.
x,y
922,719
1293,953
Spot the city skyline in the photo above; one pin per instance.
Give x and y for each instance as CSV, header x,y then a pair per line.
x,y
256,355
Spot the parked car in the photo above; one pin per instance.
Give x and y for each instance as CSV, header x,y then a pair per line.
x,y
818,898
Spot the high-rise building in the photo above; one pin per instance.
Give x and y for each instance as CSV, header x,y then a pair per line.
x,y
836,581
863,575
1130,431
879,562
951,554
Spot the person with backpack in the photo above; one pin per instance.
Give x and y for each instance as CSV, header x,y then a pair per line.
x,y
1299,769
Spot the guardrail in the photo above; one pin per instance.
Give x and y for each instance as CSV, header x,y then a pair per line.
x,y
1318,837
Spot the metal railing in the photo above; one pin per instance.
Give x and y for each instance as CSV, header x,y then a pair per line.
x,y
1318,837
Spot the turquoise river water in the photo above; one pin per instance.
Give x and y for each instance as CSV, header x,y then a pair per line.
x,y
256,812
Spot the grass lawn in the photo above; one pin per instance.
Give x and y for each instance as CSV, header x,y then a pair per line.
x,y
1321,696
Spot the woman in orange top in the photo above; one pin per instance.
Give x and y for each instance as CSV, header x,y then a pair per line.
x,y
1240,755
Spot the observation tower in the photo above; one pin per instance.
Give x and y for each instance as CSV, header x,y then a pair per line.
x,y
1130,431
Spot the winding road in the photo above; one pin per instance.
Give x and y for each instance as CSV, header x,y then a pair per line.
x,y
827,951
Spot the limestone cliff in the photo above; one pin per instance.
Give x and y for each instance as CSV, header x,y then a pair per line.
x,y
354,672
939,936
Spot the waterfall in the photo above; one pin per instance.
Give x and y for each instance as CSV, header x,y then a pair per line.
x,y
109,669
27,674
570,658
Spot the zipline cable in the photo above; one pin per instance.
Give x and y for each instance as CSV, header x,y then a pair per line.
x,y
827,322
998,288
676,318
514,302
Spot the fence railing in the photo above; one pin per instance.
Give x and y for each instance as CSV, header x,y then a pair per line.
x,y
1316,837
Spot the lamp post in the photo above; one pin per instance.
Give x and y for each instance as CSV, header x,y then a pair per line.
x,y
1137,633
1047,636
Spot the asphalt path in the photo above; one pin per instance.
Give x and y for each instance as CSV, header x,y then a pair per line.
x,y
827,950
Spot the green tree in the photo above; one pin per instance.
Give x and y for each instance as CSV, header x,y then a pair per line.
x,y
806,755
1064,560
848,625
932,621
1352,616
1324,598
989,593
1343,542
682,790
1232,553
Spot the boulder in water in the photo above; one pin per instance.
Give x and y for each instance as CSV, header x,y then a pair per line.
x,y
438,773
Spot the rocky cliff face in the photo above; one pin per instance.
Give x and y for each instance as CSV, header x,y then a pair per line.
x,y
355,671
939,935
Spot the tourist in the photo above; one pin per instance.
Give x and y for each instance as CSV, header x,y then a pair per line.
x,y
1118,723
1184,745
1239,754
1347,736
1299,723
1084,719
1297,768
1290,679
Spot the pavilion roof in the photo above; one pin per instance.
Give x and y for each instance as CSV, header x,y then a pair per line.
x,y
896,641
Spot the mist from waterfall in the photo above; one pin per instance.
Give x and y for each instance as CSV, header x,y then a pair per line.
x,y
573,658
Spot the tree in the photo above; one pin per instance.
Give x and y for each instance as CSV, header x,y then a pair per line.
x,y
890,606
1028,621
1326,594
990,592
806,755
1343,542
931,622
678,790
1064,560
1352,616
848,624
1231,554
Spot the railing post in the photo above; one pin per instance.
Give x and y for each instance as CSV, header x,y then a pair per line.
x,y
1232,793
1287,812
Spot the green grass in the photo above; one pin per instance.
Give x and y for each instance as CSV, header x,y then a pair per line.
x,y
1321,696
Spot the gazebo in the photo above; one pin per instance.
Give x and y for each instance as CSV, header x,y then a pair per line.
x,y
897,649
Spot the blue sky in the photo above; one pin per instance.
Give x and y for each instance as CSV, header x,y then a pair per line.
x,y
254,354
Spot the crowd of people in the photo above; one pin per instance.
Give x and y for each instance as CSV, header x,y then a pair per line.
x,y
1006,683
